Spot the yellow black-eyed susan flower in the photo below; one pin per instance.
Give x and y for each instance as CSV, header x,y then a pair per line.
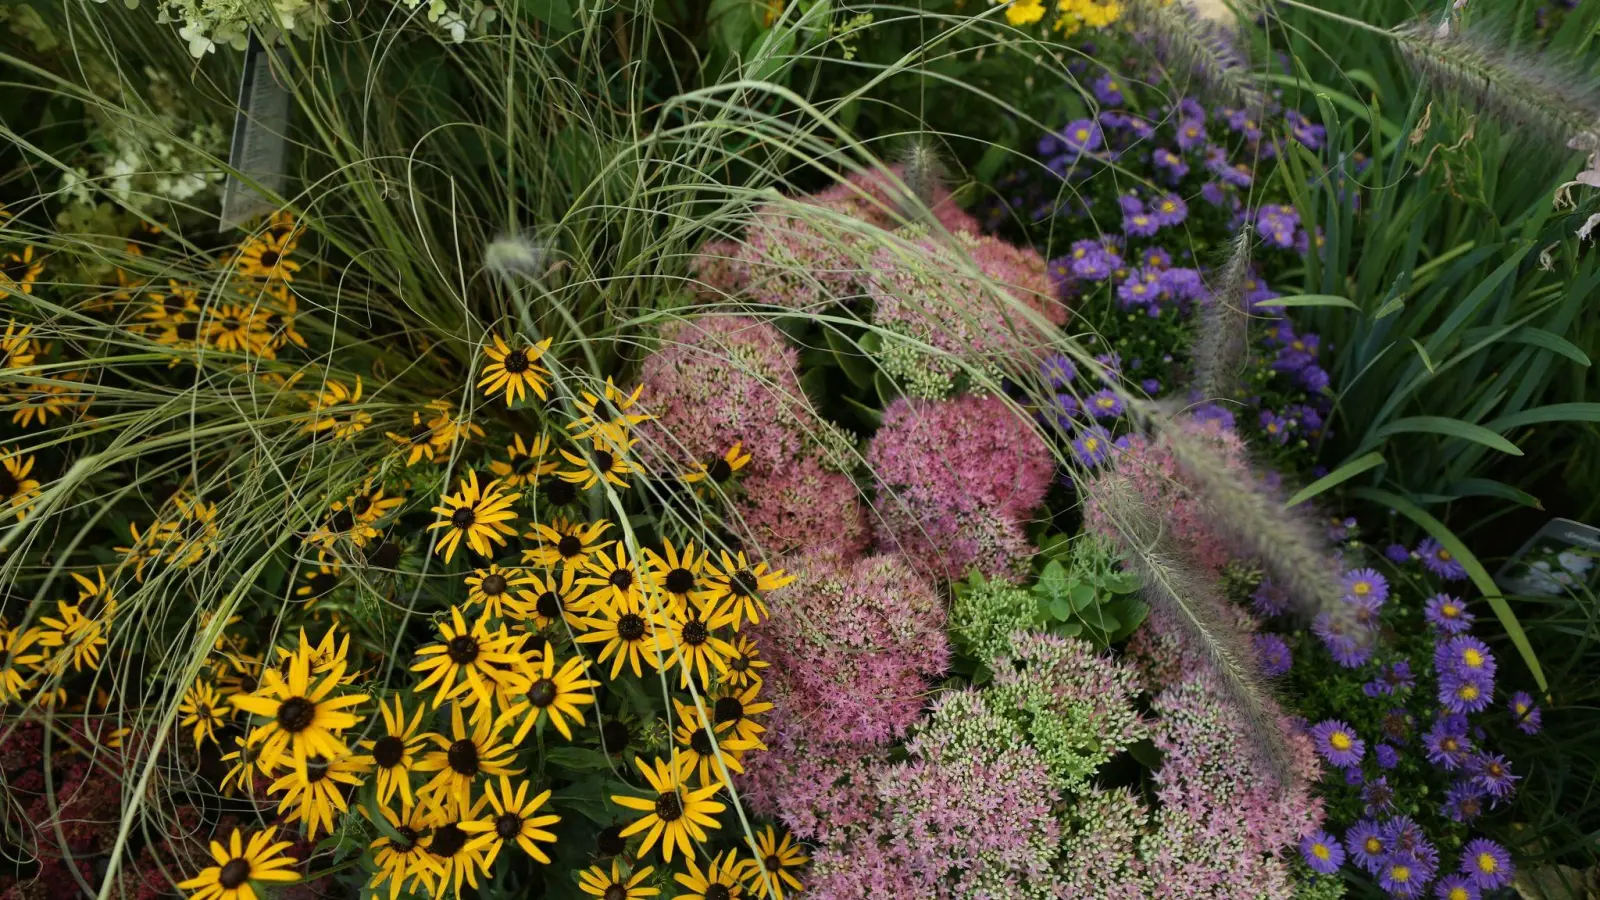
x,y
514,372
300,718
403,858
279,323
190,534
17,349
745,664
18,271
96,598
495,587
239,863
556,695
697,648
447,428
615,582
698,749
675,815
244,764
74,637
17,488
462,756
549,598
629,635
476,515
342,522
335,411
608,463
333,650
371,502
516,819
740,585
236,671
677,576
316,796
267,257
721,469
775,862
733,711
19,653
565,542
606,419
394,755
204,710
449,853
723,879
239,329
320,581
417,443
525,462
178,303
480,658
615,885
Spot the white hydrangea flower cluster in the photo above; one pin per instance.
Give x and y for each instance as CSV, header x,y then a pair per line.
x,y
206,24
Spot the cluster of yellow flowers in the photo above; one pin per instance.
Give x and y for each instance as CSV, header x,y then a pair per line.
x,y
74,637
1071,16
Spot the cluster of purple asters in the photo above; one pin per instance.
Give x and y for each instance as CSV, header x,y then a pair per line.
x,y
1350,634
1405,862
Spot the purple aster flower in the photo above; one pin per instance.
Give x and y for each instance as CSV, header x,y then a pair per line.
x,y
1275,426
1274,652
1314,379
1213,412
1190,108
1140,224
1456,887
1440,561
1463,802
1487,864
1403,875
1377,796
1337,743
1322,852
1312,136
1170,163
1105,404
1183,283
1169,209
1447,743
1136,291
1130,204
1524,713
1449,614
1107,90
1465,692
1347,650
1269,599
1464,655
1081,136
1112,118
1492,772
1387,756
1277,224
1092,446
1214,193
1192,134
1396,724
1155,258
1058,370
1239,121
1353,776
1405,836
1366,844
1362,583
1093,260
1397,554
1150,386
1392,679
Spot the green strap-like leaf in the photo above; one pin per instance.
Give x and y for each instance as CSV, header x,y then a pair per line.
x,y
1555,412
1309,300
1475,570
1450,428
1338,476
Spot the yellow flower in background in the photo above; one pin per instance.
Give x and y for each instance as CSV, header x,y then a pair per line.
x,y
558,695
240,863
462,756
676,575
478,515
495,587
719,470
676,816
732,710
515,372
18,272
515,819
741,585
726,871
334,411
615,582
239,329
394,755
1024,12
405,857
604,463
82,637
694,642
267,257
607,419
565,542
549,599
243,764
418,442
317,795
480,658
630,635
18,648
17,488
204,710
697,753
526,462
320,581
615,885
774,859
745,664
300,718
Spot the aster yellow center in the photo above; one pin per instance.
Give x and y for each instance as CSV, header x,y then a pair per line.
x,y
1362,589
1401,874
1487,864
1340,741
1472,658
1320,851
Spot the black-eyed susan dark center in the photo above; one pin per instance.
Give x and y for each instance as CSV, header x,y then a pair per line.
x,y
739,663
622,579
560,492
542,693
524,465
727,709
234,873
270,259
463,518
463,757
680,581
322,583
772,863
603,460
173,304
516,362
720,470
494,584
669,806
296,714
717,892
316,769
448,840
744,583
694,632
188,331
388,750
569,546
615,735
616,891
463,649
507,825
547,606
8,483
341,521
408,839
361,504
386,556
700,742
609,841
630,627
420,433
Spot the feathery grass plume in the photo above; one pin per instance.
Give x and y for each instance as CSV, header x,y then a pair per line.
x,y
1255,523
923,170
1190,42
1224,333
1190,598
516,257
1545,94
